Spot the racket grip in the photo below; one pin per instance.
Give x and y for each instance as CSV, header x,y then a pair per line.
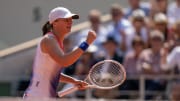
x,y
67,91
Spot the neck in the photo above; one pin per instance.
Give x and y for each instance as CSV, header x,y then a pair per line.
x,y
59,35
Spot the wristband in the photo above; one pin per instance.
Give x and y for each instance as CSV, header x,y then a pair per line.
x,y
84,45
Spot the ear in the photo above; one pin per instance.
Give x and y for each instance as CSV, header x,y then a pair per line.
x,y
54,24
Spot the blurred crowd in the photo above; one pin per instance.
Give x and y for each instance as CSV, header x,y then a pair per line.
x,y
144,37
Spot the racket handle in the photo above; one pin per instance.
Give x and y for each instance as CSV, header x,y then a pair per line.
x,y
67,91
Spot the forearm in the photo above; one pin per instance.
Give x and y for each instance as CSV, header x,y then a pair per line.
x,y
72,57
51,47
67,79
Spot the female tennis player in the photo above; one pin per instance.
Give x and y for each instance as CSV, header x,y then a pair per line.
x,y
50,58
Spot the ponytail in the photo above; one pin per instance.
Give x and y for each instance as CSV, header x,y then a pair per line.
x,y
46,28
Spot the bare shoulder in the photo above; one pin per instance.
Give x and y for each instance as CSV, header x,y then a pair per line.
x,y
47,38
46,41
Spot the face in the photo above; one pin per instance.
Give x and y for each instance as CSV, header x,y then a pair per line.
x,y
134,3
138,47
161,27
162,5
138,24
63,25
95,21
110,47
116,14
156,43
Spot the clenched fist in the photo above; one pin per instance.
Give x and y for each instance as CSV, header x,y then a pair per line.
x,y
91,37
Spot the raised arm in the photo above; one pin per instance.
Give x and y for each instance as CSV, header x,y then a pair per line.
x,y
50,46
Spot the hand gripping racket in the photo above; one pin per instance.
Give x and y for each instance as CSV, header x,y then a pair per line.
x,y
106,74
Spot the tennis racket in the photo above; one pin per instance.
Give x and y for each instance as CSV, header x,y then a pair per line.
x,y
105,74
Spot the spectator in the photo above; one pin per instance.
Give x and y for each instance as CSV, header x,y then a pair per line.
x,y
176,34
161,24
136,4
111,51
169,62
120,28
130,64
94,18
174,12
138,21
158,6
149,62
132,57
172,60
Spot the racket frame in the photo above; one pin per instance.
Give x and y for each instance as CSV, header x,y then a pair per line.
x,y
93,85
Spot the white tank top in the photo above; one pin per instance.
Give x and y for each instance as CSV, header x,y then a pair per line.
x,y
46,75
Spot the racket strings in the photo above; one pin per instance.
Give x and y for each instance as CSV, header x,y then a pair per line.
x,y
107,74
115,71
